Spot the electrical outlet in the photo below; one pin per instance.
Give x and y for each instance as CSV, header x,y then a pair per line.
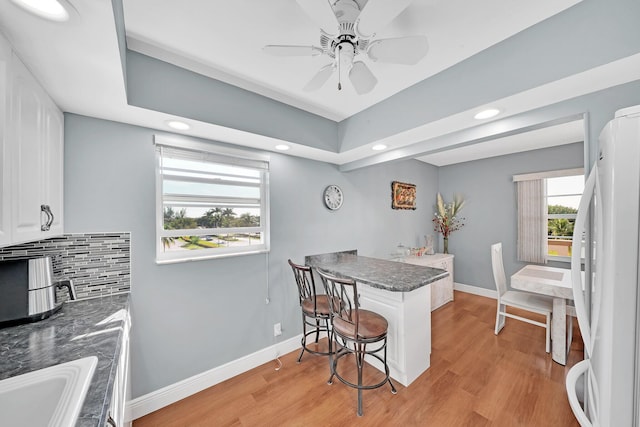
x,y
277,329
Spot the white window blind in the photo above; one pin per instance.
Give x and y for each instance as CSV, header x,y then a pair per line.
x,y
209,203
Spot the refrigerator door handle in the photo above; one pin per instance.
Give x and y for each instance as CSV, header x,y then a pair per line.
x,y
573,375
576,267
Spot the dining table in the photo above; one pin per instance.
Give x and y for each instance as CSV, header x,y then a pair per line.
x,y
554,282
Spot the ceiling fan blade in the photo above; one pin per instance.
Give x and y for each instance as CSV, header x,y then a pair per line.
x,y
377,13
401,50
319,79
322,13
287,50
362,78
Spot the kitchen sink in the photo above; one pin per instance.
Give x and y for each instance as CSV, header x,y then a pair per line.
x,y
51,396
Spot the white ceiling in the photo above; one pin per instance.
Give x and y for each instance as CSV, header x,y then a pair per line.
x,y
228,36
78,62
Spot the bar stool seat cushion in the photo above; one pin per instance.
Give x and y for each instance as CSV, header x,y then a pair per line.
x,y
322,305
372,325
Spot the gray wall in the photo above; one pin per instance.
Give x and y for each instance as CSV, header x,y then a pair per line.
x,y
191,317
491,211
591,33
160,86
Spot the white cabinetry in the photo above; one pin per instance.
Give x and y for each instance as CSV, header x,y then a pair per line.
x,y
5,163
442,290
32,159
409,331
121,384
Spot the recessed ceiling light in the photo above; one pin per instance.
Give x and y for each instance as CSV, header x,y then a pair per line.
x,y
487,114
177,125
282,147
48,9
378,147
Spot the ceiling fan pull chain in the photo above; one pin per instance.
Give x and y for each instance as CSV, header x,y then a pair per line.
x,y
339,55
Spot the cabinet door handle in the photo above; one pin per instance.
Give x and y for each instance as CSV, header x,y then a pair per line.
x,y
111,422
47,210
51,217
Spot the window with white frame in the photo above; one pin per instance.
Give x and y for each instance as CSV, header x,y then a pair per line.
x,y
547,203
210,201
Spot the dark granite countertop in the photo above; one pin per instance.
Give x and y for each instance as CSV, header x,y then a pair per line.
x,y
379,273
92,327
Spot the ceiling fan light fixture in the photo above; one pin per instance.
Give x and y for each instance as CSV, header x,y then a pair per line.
x,y
52,10
487,114
355,22
345,53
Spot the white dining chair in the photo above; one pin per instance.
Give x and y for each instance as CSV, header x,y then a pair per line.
x,y
518,299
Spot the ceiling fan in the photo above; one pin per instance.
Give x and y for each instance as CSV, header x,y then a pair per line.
x,y
347,31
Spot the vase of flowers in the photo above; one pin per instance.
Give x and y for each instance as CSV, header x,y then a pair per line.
x,y
446,219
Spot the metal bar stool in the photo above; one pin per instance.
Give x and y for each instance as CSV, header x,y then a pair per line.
x,y
315,308
356,328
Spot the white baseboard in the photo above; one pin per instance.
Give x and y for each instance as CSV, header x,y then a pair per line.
x,y
483,292
165,396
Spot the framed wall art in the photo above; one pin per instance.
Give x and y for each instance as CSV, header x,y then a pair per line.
x,y
403,195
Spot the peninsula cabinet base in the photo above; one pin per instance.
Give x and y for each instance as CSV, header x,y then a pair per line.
x,y
409,333
442,290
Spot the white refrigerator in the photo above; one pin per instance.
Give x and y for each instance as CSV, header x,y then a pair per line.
x,y
604,389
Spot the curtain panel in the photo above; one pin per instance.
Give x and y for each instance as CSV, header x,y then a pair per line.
x,y
532,221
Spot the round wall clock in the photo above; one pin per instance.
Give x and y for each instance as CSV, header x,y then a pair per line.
x,y
333,197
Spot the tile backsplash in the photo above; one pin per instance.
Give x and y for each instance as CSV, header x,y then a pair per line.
x,y
98,263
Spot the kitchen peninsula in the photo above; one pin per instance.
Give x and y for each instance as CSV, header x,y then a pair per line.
x,y
399,292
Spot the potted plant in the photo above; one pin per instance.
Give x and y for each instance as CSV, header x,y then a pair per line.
x,y
446,220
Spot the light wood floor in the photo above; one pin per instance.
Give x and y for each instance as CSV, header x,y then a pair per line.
x,y
475,379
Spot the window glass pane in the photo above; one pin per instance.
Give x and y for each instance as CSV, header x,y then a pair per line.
x,y
560,228
563,198
565,185
184,217
211,243
560,233
563,204
560,247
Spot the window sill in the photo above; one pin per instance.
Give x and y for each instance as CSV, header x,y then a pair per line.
x,y
208,257
565,259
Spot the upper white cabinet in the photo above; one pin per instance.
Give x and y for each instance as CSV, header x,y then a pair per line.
x,y
33,157
5,163
442,290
